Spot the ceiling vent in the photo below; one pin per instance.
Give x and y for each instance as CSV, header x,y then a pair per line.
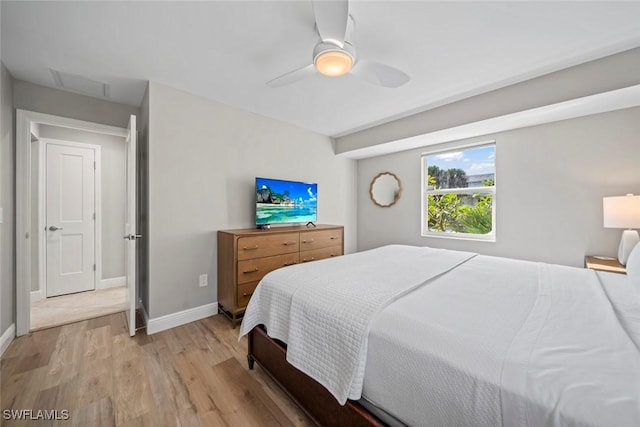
x,y
83,85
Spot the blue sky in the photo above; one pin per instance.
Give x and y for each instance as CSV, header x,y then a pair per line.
x,y
299,191
474,161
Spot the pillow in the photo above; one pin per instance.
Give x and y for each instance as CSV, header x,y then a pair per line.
x,y
633,266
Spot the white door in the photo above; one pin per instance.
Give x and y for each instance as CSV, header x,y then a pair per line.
x,y
130,226
70,219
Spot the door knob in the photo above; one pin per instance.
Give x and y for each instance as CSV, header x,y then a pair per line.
x,y
54,228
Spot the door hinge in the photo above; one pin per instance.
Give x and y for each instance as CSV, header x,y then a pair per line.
x,y
94,267
94,165
94,215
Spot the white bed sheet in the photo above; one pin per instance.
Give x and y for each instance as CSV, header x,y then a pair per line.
x,y
499,342
431,360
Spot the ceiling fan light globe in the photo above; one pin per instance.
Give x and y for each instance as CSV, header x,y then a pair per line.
x,y
333,63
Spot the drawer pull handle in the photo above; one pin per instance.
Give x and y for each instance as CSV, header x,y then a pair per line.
x,y
308,241
250,248
289,243
332,255
247,294
255,270
308,259
333,238
290,263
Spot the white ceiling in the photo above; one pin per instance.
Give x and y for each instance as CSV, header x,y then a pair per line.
x,y
226,51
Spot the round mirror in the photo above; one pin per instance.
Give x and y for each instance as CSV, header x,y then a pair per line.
x,y
385,189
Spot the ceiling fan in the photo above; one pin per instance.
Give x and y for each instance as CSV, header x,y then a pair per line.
x,y
335,55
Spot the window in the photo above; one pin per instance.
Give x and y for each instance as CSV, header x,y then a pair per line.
x,y
459,193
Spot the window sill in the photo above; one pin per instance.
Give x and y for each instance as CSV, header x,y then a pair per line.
x,y
470,237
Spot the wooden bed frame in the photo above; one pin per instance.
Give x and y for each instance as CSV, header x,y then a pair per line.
x,y
312,397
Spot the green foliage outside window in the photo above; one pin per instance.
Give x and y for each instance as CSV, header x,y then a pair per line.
x,y
460,213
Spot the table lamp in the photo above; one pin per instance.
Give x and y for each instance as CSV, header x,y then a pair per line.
x,y
623,212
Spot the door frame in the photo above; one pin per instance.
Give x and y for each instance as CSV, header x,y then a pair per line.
x,y
42,212
27,123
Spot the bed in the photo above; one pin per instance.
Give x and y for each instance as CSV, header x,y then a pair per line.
x,y
422,336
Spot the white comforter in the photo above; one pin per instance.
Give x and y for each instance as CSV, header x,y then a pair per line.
x,y
324,314
492,342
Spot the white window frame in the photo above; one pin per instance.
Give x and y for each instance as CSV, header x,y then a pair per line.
x,y
426,192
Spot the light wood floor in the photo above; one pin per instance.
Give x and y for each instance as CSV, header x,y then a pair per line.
x,y
194,375
71,308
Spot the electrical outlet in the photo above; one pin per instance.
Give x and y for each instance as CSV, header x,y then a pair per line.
x,y
204,280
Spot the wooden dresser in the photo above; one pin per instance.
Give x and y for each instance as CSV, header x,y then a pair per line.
x,y
246,255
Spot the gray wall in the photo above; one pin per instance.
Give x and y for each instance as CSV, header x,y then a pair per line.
x,y
550,183
7,201
613,72
113,181
41,99
203,159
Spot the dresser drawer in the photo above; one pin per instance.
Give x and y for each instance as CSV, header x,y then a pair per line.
x,y
244,293
320,253
267,245
255,269
320,239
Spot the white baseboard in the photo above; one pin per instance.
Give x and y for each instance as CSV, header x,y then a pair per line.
x,y
7,337
36,296
114,282
169,321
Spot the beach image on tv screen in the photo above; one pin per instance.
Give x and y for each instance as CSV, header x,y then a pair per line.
x,y
280,201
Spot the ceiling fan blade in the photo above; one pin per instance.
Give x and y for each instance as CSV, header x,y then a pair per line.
x,y
380,74
292,76
331,20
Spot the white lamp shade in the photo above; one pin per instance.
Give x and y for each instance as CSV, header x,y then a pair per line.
x,y
621,211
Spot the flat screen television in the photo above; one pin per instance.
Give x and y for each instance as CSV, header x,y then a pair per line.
x,y
281,202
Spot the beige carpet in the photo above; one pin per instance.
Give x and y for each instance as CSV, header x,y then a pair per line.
x,y
65,309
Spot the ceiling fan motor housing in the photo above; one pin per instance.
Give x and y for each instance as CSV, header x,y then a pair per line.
x,y
323,47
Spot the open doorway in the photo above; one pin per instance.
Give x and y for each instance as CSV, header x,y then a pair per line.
x,y
78,192
76,199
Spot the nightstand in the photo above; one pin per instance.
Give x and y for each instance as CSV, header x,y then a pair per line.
x,y
604,264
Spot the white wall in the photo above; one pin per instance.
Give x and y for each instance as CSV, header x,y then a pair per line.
x,y
7,202
113,192
550,183
35,210
203,160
